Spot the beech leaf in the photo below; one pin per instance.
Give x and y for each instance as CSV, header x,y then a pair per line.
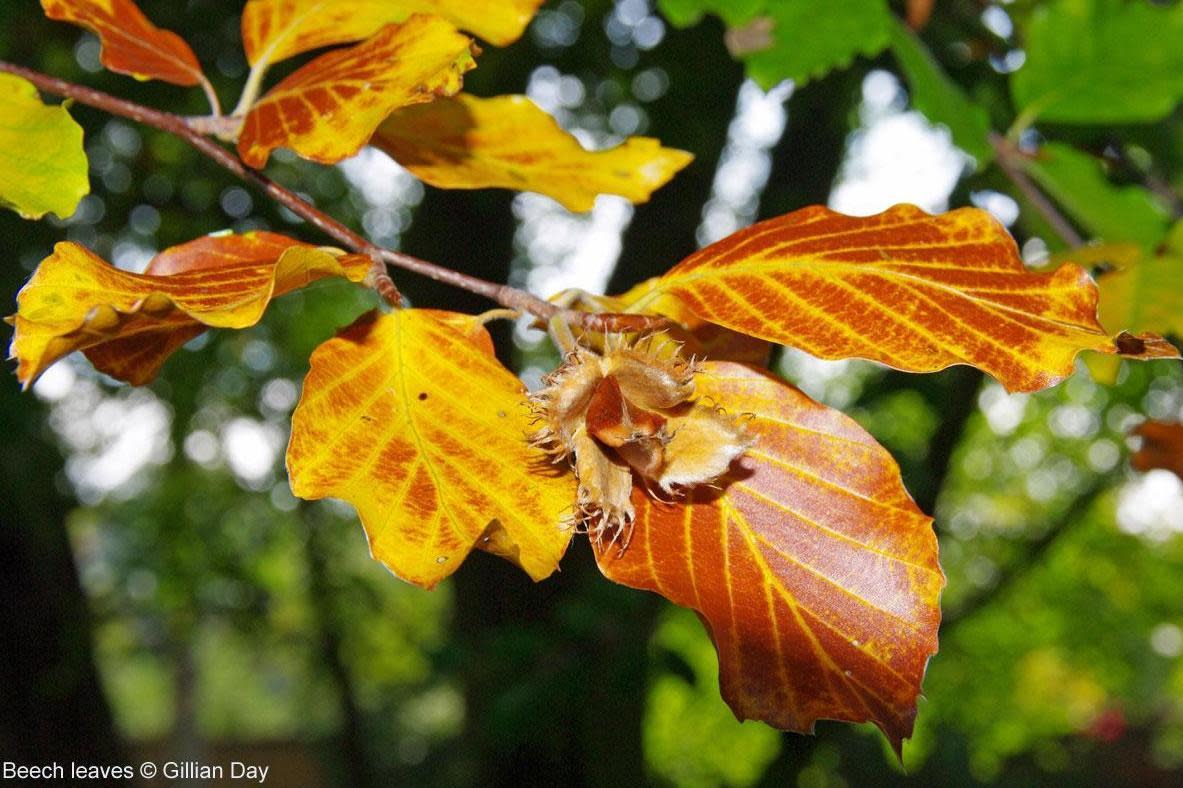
x,y
273,30
43,166
327,110
410,417
130,43
129,324
813,569
908,289
1101,61
466,142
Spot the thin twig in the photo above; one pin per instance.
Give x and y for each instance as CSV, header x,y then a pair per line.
x,y
509,297
1008,158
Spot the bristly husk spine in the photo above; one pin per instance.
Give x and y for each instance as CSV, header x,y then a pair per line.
x,y
630,409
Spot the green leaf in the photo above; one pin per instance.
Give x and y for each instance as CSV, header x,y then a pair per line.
x,y
42,164
1101,61
1077,181
809,38
939,97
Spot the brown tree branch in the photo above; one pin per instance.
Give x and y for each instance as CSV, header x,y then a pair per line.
x,y
510,297
1009,161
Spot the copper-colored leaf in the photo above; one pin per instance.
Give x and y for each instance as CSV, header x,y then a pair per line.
x,y
273,30
911,290
410,418
328,109
472,143
813,569
1162,447
129,324
131,44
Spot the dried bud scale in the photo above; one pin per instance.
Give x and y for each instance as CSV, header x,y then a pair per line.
x,y
631,408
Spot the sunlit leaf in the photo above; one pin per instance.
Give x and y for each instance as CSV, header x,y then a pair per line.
x,y
410,418
911,290
131,44
128,324
1078,183
273,30
43,166
467,142
328,109
1162,447
1101,61
814,570
937,96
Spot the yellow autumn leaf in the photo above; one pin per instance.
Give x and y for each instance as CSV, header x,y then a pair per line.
x,y
43,167
467,142
273,30
410,418
130,323
327,110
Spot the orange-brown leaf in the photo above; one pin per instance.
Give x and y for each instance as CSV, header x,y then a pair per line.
x,y
273,30
911,290
129,324
327,110
130,43
813,569
508,142
1162,447
410,418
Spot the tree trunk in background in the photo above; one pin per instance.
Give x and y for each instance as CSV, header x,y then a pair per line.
x,y
694,116
806,161
555,674
354,760
51,701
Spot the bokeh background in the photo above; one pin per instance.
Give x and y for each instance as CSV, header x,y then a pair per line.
x,y
165,596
